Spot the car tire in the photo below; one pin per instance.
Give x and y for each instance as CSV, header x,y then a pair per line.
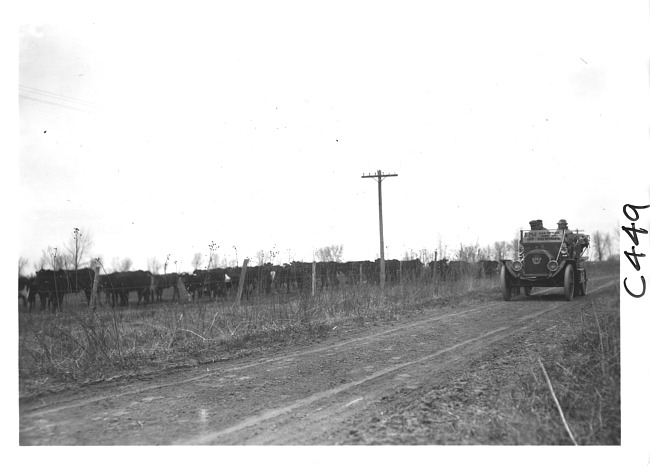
x,y
569,283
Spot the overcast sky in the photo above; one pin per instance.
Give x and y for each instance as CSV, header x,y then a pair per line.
x,y
160,130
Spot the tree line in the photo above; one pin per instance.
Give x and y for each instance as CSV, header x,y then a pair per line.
x,y
76,253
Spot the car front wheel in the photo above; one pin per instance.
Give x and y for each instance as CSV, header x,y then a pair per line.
x,y
569,282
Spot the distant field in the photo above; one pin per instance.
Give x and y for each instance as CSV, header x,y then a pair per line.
x,y
78,346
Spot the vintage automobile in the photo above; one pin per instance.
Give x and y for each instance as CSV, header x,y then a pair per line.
x,y
547,259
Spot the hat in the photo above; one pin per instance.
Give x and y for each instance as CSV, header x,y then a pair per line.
x,y
562,222
534,222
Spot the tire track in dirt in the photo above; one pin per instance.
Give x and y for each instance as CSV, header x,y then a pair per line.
x,y
261,414
485,339
44,410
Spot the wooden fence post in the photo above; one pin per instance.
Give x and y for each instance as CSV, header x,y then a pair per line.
x,y
242,278
93,296
313,278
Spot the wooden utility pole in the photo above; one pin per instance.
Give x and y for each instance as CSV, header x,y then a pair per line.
x,y
379,176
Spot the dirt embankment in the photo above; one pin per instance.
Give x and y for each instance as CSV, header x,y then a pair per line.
x,y
453,376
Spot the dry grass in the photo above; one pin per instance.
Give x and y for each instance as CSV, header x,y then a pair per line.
x,y
78,344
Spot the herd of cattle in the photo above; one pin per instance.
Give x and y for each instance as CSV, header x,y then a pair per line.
x,y
50,286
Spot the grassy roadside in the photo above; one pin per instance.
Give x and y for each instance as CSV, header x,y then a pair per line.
x,y
503,397
79,346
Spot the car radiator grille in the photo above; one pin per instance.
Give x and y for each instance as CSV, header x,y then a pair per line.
x,y
536,264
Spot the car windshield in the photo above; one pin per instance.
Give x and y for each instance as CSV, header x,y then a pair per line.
x,y
540,236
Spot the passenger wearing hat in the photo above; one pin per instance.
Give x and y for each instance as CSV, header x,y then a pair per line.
x,y
537,225
563,229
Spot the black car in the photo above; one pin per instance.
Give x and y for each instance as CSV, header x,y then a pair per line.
x,y
547,259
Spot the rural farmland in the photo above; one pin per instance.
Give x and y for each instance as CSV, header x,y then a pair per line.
x,y
426,361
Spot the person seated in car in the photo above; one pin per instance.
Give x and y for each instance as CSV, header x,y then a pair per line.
x,y
563,231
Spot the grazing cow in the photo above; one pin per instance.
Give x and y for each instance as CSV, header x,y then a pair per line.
x,y
412,270
281,280
488,268
50,285
161,282
440,268
118,286
459,269
80,280
194,284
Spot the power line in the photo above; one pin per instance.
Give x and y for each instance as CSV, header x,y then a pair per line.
x,y
55,95
56,104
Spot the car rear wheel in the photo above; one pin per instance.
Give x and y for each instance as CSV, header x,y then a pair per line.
x,y
505,284
569,283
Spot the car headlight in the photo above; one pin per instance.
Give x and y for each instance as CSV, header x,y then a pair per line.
x,y
516,266
552,265
563,249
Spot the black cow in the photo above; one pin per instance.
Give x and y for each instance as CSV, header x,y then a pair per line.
x,y
80,281
193,284
161,282
439,269
459,269
488,268
50,286
412,270
118,286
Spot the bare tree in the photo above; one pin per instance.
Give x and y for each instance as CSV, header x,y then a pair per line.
x,y
213,257
259,255
78,247
409,255
426,256
42,262
500,250
213,260
333,253
153,265
615,242
52,258
197,260
598,243
121,265
115,264
22,264
607,243
442,249
126,265
467,253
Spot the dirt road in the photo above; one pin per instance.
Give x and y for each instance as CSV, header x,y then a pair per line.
x,y
394,383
